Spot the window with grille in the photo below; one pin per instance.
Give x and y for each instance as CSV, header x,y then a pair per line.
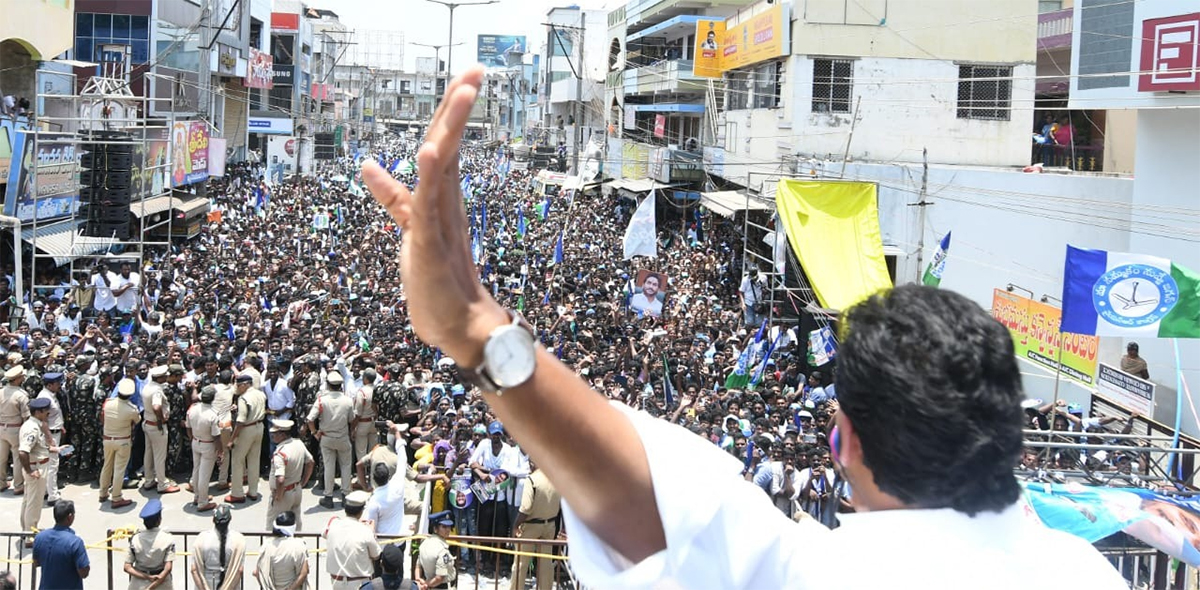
x,y
984,92
737,90
767,85
832,80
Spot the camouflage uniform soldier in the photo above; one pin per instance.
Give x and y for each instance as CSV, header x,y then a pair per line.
x,y
33,375
84,422
179,456
307,390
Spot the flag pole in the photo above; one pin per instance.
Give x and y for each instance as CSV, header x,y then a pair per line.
x,y
1057,382
1173,461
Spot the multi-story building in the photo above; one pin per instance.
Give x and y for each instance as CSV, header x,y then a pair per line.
x,y
571,88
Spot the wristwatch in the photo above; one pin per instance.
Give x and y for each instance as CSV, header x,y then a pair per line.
x,y
509,357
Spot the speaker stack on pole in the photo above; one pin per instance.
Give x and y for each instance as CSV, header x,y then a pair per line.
x,y
106,182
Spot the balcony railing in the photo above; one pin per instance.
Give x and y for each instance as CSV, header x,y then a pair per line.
x,y
1054,29
1081,158
664,76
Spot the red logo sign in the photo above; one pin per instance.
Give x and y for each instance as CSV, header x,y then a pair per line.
x,y
290,148
1170,54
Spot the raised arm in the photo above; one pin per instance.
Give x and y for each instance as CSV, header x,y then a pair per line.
x,y
589,449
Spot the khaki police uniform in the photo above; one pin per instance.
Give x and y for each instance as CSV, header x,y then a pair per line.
x,y
380,454
14,410
540,503
334,413
149,552
205,425
56,423
289,460
33,441
365,432
156,435
436,559
279,563
223,405
120,416
352,550
247,447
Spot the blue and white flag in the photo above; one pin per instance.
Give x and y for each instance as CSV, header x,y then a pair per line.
x,y
937,266
641,236
558,249
1122,294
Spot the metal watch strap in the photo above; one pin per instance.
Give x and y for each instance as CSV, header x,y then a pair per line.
x,y
478,376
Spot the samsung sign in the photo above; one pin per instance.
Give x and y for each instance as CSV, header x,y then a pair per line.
x,y
270,126
283,74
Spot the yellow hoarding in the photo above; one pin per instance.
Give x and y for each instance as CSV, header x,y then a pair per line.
x,y
707,60
720,47
635,160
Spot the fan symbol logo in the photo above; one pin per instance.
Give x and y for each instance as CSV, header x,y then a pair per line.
x,y
1134,295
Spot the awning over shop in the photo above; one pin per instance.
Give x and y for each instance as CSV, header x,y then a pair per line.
x,y
640,185
193,208
62,241
163,203
833,228
726,203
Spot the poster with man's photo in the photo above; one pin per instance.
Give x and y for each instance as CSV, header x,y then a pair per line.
x,y
650,293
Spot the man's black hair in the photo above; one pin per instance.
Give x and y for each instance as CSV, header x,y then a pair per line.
x,y
931,385
63,509
380,474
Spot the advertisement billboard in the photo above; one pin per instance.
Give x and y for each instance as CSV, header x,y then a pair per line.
x,y
260,70
57,180
189,153
151,172
1036,337
635,159
492,50
1132,392
763,36
707,60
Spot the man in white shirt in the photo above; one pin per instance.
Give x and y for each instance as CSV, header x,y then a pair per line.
x,y
648,504
127,287
103,281
751,292
647,301
385,509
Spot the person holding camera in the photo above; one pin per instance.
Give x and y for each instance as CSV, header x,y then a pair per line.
x,y
752,294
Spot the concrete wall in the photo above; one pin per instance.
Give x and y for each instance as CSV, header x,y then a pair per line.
x,y
936,29
45,27
1120,140
916,100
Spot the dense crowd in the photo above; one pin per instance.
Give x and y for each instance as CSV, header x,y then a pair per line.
x,y
282,329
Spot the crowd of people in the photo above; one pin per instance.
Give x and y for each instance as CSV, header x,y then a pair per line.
x,y
277,344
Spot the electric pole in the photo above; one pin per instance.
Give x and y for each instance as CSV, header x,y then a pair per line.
x,y
579,71
921,206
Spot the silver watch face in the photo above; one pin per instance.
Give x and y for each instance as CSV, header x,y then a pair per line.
x,y
509,356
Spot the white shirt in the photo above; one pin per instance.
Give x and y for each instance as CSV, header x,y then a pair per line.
x,y
128,300
723,532
68,323
104,300
279,396
751,290
386,506
504,460
639,303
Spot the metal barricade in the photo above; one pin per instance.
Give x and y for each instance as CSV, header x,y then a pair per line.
x,y
18,560
185,543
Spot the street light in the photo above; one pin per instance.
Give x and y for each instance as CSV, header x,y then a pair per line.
x,y
450,37
437,51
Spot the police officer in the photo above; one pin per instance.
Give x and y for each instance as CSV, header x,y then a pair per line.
x,y
291,467
365,410
52,385
208,444
540,504
14,411
151,553
335,411
391,562
34,453
246,441
351,548
223,404
155,428
118,419
435,562
283,559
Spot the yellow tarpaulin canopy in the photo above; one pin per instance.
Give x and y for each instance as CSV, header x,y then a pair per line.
x,y
833,227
